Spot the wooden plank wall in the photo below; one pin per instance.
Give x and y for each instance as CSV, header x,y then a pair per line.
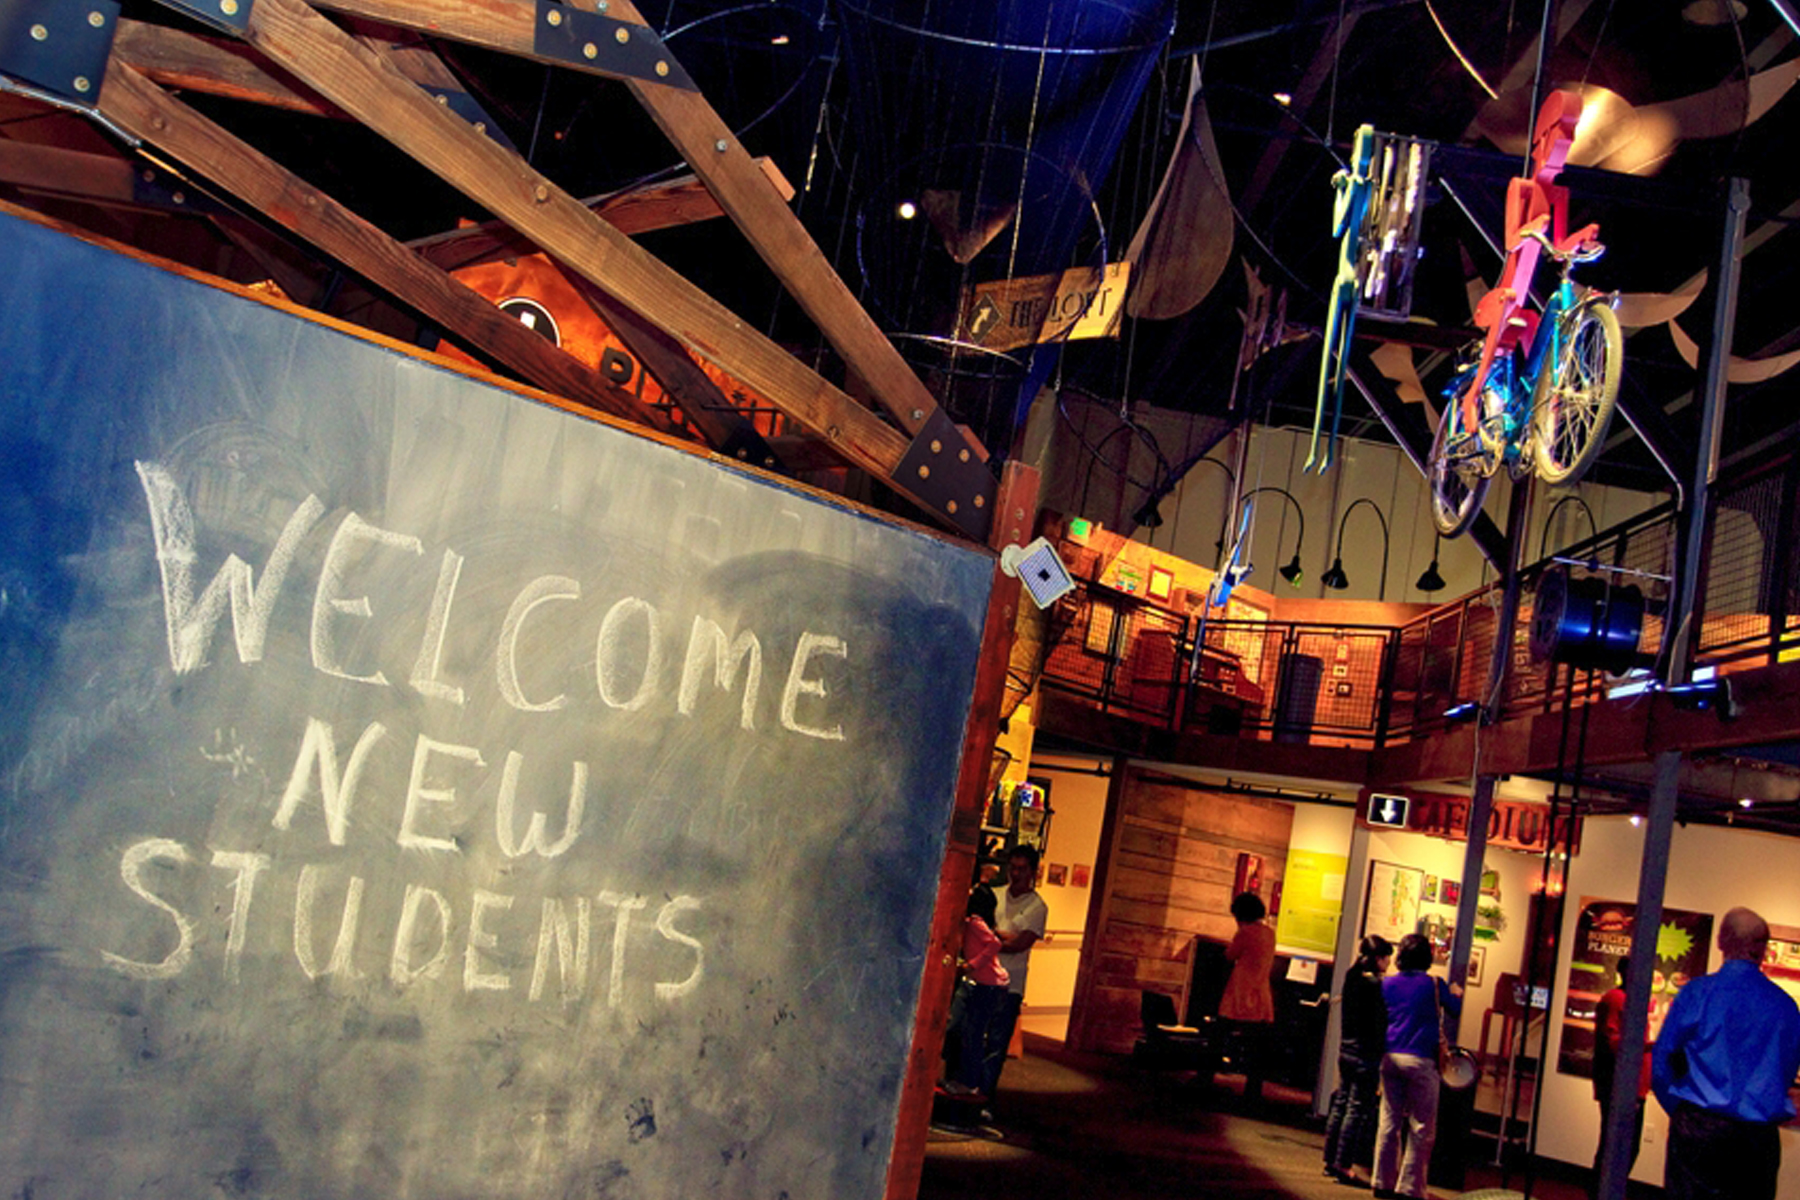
x,y
1170,863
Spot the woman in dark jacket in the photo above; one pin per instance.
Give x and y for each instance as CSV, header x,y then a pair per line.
x,y
1350,1129
1416,1003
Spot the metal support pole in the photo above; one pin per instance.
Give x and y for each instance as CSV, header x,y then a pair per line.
x,y
1344,954
1481,804
1659,825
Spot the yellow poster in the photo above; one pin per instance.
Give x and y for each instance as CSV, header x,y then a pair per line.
x,y
1312,902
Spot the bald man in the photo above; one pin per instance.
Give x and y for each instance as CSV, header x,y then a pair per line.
x,y
1728,1052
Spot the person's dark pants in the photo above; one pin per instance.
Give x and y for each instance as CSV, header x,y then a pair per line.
x,y
1637,1135
1712,1156
1249,1049
1350,1123
980,1025
1000,1037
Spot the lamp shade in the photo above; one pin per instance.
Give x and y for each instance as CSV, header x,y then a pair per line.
x,y
1430,581
1335,577
1293,572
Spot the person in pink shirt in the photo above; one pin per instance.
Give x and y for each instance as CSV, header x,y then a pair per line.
x,y
986,982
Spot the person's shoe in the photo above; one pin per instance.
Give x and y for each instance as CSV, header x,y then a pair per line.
x,y
1386,1194
1345,1177
954,1088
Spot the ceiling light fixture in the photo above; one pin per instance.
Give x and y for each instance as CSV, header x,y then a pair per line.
x,y
1335,577
780,39
1429,580
908,210
1293,572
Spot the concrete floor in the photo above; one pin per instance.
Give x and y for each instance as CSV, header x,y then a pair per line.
x,y
1083,1127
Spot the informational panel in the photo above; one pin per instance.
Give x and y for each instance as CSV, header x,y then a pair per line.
x,y
1392,910
410,789
1312,903
1602,937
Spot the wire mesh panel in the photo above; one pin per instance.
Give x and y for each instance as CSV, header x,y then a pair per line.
x,y
1740,577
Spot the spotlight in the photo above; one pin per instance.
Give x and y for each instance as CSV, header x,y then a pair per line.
x,y
1746,802
908,210
1292,572
1468,710
1335,578
1711,695
1150,516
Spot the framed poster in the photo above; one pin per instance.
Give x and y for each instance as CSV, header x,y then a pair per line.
x,y
1391,908
1602,937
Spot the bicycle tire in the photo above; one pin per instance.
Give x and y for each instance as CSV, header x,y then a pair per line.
x,y
1573,400
1456,491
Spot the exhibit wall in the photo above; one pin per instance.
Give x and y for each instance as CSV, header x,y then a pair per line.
x,y
1763,869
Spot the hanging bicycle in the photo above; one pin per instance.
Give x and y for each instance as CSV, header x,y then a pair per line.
x,y
1537,392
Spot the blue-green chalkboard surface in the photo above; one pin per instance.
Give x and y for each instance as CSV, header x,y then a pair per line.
x,y
408,789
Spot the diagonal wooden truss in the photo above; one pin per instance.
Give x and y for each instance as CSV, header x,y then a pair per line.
x,y
287,53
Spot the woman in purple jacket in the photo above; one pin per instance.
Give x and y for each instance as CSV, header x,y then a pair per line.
x,y
1416,1004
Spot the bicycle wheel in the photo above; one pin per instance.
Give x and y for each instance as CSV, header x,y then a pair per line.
x,y
1572,403
1458,483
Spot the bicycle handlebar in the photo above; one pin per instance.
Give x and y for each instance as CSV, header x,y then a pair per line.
x,y
1586,252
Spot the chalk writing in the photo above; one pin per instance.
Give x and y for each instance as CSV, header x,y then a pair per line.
x,y
426,930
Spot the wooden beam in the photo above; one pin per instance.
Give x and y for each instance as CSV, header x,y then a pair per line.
x,y
709,146
213,67
301,41
682,380
103,178
680,201
142,109
714,152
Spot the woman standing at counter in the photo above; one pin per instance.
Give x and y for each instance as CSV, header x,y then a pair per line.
x,y
1350,1128
1416,1004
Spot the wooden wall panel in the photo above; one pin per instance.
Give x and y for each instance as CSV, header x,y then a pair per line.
x,y
1170,868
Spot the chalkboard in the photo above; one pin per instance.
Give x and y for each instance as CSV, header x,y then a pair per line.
x,y
411,789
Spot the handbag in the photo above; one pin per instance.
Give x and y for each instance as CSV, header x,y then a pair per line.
x,y
1456,1067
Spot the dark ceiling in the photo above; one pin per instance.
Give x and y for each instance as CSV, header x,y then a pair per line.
x,y
1071,112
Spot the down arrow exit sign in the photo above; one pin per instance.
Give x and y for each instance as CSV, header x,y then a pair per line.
x,y
1388,810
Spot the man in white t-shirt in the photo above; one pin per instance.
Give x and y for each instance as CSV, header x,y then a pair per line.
x,y
1020,923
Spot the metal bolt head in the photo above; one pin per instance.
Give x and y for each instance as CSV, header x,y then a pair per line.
x,y
443,99
918,414
662,68
96,19
720,146
962,455
981,502
950,507
540,193
589,50
178,197
481,127
554,17
228,7
924,471
39,33
621,35
82,84
602,6
937,447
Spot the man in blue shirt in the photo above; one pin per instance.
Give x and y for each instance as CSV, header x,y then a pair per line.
x,y
1727,1054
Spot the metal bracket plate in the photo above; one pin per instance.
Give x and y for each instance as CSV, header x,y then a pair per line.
x,y
58,46
469,109
584,39
231,16
941,469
